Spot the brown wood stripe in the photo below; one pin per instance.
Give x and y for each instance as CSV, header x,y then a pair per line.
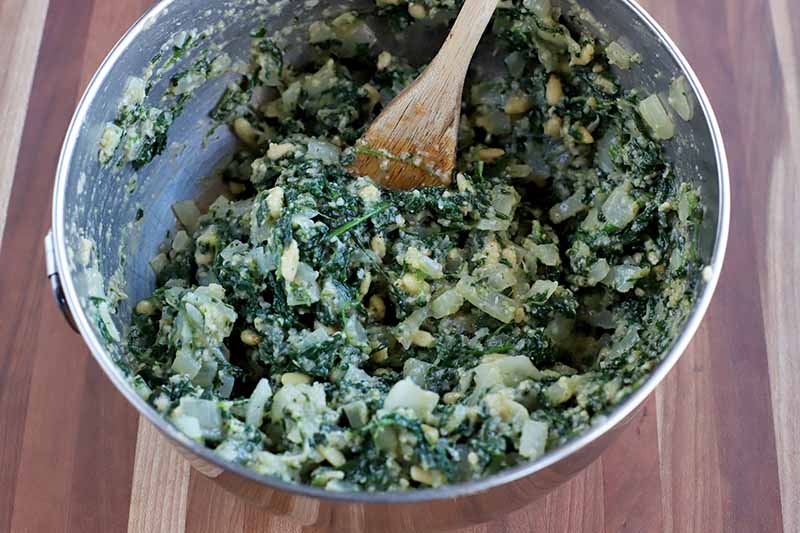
x,y
632,477
105,445
46,464
109,22
576,507
257,520
210,509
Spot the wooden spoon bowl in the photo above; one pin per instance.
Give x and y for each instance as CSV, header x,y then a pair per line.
x,y
413,142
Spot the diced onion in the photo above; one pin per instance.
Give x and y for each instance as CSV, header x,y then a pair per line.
x,y
321,81
592,221
620,209
487,94
623,277
185,363
548,254
533,441
258,400
407,328
158,263
656,117
265,262
291,95
603,158
304,290
497,276
357,414
352,33
492,303
422,263
188,426
620,56
308,340
598,272
357,375
561,391
568,208
416,370
626,340
319,32
681,98
501,405
206,412
408,395
446,304
322,151
508,371
542,290
355,332
181,242
205,378
515,62
299,408
227,382
505,200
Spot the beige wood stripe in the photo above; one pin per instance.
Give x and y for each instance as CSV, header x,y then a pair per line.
x,y
781,291
21,28
160,484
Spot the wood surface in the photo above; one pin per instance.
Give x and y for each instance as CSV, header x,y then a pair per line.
x,y
18,51
715,450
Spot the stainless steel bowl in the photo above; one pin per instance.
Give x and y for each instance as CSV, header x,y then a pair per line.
x,y
92,203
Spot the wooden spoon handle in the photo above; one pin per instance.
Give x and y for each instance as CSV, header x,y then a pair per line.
x,y
440,86
456,54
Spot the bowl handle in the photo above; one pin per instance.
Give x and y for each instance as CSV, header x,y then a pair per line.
x,y
55,280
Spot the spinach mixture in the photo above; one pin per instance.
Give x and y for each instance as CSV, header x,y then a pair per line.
x,y
314,327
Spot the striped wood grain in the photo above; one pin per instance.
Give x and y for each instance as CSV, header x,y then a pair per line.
x,y
780,263
715,450
160,485
67,440
18,53
707,439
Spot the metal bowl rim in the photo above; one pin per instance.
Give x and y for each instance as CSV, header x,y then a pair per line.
x,y
426,495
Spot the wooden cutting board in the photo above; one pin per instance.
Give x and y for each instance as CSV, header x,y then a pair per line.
x,y
715,450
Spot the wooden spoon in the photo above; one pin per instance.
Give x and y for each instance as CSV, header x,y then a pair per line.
x,y
413,142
